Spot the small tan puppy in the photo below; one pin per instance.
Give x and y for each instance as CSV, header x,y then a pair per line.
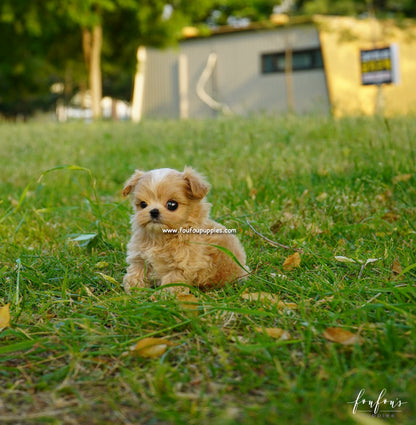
x,y
172,233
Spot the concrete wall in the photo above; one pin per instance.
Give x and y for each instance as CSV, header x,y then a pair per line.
x,y
237,80
342,38
161,85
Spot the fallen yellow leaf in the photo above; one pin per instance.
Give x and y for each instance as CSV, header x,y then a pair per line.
x,y
384,197
285,305
396,268
109,279
4,316
292,261
249,181
341,336
151,347
287,216
324,300
276,333
401,178
322,196
188,302
187,298
101,265
314,229
267,298
260,296
391,217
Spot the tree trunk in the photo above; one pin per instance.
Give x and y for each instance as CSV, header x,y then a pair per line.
x,y
91,44
289,75
95,70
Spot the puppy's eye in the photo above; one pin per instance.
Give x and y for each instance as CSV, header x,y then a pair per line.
x,y
172,205
142,205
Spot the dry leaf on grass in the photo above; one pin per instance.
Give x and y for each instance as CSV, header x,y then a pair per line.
x,y
276,227
343,259
260,296
288,306
276,333
384,197
239,339
396,269
109,279
391,217
267,298
324,300
314,229
151,347
341,336
187,298
101,265
363,265
189,303
251,188
292,261
4,316
402,178
322,196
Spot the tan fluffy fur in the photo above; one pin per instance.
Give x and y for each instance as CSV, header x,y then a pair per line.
x,y
166,258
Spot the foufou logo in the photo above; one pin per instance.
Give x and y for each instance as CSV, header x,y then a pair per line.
x,y
381,406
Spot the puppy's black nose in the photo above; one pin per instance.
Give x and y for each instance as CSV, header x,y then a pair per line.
x,y
154,213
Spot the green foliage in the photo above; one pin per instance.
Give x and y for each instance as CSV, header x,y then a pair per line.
x,y
389,8
255,10
25,75
338,7
330,188
43,45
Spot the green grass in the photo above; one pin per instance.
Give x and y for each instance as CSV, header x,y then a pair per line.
x,y
326,187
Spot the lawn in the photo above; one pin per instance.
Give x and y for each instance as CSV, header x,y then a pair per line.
x,y
339,194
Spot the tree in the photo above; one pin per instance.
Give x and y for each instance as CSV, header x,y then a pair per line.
x,y
233,12
116,27
47,41
24,75
87,14
391,8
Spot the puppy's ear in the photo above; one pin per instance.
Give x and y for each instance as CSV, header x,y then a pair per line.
x,y
197,186
132,181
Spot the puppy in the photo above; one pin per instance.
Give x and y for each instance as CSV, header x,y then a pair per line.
x,y
173,236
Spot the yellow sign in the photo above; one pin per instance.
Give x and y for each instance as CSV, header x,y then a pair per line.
x,y
379,66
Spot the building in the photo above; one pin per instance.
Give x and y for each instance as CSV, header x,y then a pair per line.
x,y
300,65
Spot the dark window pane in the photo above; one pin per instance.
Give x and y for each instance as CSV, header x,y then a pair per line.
x,y
301,60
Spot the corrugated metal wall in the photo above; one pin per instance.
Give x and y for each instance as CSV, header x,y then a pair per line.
x,y
237,79
161,86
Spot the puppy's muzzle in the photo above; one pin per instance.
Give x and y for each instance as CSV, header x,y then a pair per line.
x,y
154,213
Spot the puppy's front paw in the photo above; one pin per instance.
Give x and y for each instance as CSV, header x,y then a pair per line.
x,y
131,280
174,277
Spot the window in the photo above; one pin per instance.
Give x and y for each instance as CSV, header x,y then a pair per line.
x,y
302,60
